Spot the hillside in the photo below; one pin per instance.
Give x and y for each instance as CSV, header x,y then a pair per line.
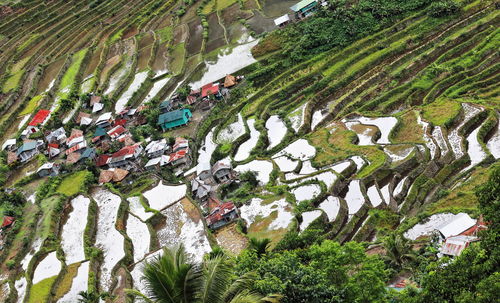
x,y
365,121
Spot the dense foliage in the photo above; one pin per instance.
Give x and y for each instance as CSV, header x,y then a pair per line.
x,y
326,272
342,24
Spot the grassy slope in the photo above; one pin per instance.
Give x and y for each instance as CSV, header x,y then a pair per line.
x,y
72,184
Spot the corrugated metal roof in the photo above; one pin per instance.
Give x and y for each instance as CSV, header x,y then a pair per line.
x,y
456,226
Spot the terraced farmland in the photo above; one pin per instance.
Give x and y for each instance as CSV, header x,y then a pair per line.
x,y
345,144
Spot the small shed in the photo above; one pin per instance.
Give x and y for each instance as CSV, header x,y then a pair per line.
x,y
48,169
459,224
230,81
9,145
282,21
27,151
453,246
166,106
174,118
7,221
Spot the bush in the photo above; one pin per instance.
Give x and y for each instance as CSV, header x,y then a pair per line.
x,y
443,8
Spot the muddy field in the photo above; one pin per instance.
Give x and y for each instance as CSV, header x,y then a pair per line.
x,y
195,37
50,74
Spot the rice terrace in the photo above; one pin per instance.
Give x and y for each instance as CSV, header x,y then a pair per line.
x,y
249,151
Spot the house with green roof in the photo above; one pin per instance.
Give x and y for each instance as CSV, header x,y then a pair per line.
x,y
174,118
304,8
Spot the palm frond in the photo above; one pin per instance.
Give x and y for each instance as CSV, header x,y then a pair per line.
x,y
217,275
240,285
138,294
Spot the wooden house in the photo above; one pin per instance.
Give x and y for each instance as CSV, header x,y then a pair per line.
x,y
174,119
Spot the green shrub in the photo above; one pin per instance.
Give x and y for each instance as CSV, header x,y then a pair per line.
x,y
443,8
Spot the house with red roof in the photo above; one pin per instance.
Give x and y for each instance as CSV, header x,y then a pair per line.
x,y
125,156
211,89
116,132
40,118
102,160
221,214
7,221
178,158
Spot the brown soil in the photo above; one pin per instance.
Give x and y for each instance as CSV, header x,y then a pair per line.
x,y
180,34
215,44
146,40
144,55
160,62
109,65
192,211
119,291
130,32
216,31
230,239
250,5
49,74
260,23
195,37
94,61
232,13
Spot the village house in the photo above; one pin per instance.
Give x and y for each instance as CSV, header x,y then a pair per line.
x,y
48,169
221,215
7,222
104,120
75,138
453,246
27,151
116,132
73,158
57,136
179,158
174,119
99,134
157,162
200,190
9,145
39,119
156,148
166,106
230,81
83,119
76,148
211,89
95,104
305,8
204,171
112,175
458,225
102,160
88,153
180,143
125,157
222,171
53,150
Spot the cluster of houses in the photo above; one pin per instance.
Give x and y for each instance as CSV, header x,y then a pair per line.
x,y
93,140
204,187
299,11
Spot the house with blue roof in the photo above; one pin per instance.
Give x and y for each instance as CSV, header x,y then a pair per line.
x,y
166,106
27,151
174,119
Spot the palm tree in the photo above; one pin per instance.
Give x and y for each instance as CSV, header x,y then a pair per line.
x,y
170,278
91,296
259,246
398,250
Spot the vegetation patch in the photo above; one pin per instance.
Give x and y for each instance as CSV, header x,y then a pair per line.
x,y
178,54
408,130
40,292
441,112
463,197
12,81
69,77
74,183
65,284
31,106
